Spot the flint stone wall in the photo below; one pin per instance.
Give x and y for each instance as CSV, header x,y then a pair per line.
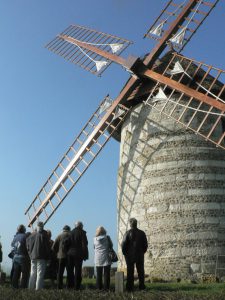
x,y
173,182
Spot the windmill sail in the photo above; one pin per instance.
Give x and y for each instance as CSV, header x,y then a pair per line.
x,y
158,29
178,38
76,161
160,96
77,44
186,26
204,119
161,23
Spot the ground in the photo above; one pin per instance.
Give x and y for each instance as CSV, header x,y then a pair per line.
x,y
167,291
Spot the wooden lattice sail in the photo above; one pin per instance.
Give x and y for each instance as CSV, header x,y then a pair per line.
x,y
76,160
78,45
185,30
202,78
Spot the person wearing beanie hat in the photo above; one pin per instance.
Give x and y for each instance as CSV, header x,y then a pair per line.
x,y
66,228
60,248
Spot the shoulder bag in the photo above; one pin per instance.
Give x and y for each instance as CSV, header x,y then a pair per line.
x,y
112,254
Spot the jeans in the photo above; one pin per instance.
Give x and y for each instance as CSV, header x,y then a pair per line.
x,y
106,283
38,267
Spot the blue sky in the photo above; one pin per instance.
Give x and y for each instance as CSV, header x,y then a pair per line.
x,y
45,101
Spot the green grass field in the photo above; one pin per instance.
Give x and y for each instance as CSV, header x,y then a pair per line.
x,y
153,291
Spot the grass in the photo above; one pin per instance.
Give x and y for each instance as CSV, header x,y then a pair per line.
x,y
189,290
154,291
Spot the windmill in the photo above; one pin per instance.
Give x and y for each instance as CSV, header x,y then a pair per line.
x,y
188,93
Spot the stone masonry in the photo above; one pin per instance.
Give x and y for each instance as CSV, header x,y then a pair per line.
x,y
173,182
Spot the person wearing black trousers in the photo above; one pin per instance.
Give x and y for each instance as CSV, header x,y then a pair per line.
x,y
102,245
134,246
60,248
77,253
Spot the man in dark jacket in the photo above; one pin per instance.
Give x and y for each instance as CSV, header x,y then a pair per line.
x,y
38,247
134,246
60,248
20,258
77,252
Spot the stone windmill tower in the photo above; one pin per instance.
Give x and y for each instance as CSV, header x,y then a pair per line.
x,y
169,118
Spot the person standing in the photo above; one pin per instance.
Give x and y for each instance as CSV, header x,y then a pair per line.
x,y
134,246
60,248
77,252
38,247
52,264
0,252
102,245
20,259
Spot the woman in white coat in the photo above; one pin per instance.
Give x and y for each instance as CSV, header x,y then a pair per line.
x,y
102,244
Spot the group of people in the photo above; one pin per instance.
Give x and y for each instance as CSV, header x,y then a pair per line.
x,y
33,253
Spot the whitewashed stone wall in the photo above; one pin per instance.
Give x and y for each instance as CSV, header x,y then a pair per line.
x,y
173,182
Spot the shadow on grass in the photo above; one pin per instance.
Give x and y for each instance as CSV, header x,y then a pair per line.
x,y
187,288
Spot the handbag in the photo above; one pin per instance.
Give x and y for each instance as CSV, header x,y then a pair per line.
x,y
11,254
112,254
